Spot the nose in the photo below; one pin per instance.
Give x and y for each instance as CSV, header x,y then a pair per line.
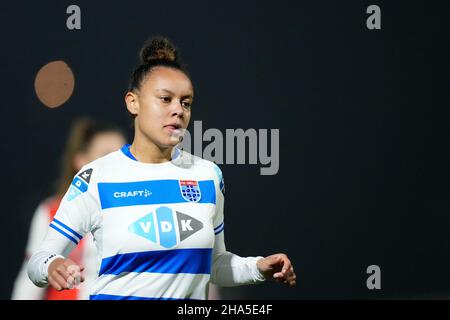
x,y
177,109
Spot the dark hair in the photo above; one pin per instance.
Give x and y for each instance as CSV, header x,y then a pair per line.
x,y
156,51
83,131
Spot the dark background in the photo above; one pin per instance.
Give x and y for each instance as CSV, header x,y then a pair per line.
x,y
363,118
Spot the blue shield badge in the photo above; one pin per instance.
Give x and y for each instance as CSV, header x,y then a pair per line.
x,y
190,190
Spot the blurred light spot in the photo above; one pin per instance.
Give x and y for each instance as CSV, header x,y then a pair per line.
x,y
54,84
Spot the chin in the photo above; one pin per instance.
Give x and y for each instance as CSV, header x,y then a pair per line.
x,y
169,143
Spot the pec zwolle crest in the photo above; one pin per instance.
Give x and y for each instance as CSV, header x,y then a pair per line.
x,y
190,190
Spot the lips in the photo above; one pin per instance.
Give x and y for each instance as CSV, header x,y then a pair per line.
x,y
174,129
173,126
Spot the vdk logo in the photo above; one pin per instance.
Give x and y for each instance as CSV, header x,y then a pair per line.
x,y
160,227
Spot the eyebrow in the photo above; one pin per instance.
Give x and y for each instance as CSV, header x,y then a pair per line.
x,y
170,92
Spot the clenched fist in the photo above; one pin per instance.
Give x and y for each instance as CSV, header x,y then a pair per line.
x,y
64,274
278,267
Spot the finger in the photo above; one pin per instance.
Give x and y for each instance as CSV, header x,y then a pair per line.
x,y
287,278
279,275
75,270
290,273
292,277
63,272
59,280
287,265
289,283
76,280
54,284
72,268
70,278
292,280
76,276
280,280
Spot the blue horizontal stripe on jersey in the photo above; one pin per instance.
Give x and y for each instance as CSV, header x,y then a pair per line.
x,y
67,228
114,297
121,194
219,230
194,261
218,227
63,233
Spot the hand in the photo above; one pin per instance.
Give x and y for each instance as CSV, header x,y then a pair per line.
x,y
64,274
277,267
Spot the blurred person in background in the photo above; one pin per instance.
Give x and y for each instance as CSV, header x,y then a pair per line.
x,y
88,140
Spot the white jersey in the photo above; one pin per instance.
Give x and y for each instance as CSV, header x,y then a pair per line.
x,y
158,228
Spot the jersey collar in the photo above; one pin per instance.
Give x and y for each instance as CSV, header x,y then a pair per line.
x,y
126,151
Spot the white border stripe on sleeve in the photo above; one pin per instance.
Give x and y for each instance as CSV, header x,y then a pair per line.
x,y
68,236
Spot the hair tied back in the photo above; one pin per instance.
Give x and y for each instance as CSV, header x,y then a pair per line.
x,y
158,48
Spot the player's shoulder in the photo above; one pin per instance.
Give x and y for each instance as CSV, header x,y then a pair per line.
x,y
99,165
196,161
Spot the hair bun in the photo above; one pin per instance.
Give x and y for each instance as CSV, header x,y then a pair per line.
x,y
158,48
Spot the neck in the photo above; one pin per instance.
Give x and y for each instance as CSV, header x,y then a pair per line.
x,y
148,152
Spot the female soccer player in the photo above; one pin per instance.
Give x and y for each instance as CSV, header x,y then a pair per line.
x,y
155,211
88,140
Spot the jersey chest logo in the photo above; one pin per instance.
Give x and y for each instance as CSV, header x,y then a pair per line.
x,y
190,190
166,227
